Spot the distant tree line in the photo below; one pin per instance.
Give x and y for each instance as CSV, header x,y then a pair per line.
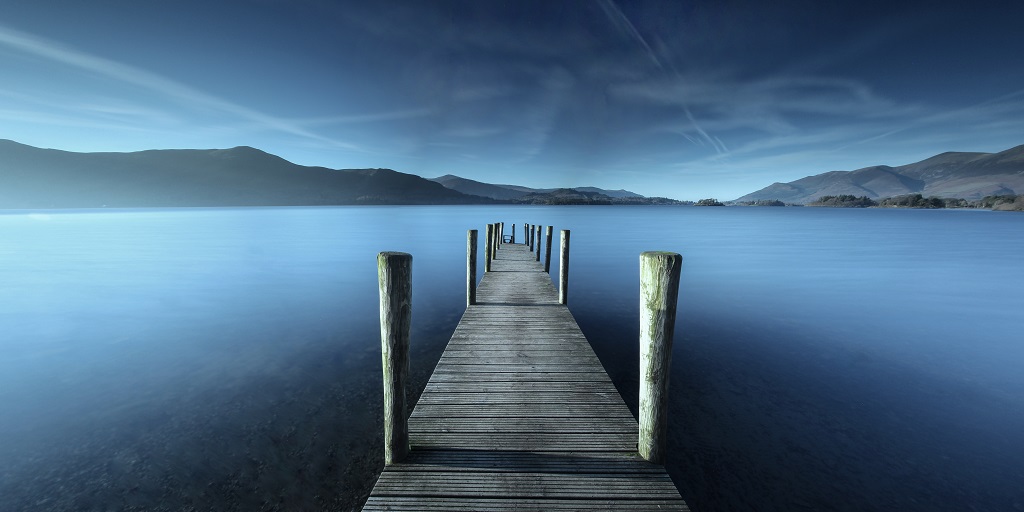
x,y
709,202
1000,202
844,201
762,202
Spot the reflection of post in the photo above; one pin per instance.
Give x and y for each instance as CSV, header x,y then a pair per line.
x,y
394,276
659,293
537,235
471,267
547,251
563,269
489,248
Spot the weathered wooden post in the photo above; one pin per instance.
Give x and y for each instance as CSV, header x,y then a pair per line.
x,y
501,239
530,241
471,267
489,248
659,293
513,239
547,251
537,235
494,242
394,276
526,232
563,269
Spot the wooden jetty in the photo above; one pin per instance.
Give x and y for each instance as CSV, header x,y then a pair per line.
x,y
519,413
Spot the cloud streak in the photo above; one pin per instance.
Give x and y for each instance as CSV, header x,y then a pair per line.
x,y
54,52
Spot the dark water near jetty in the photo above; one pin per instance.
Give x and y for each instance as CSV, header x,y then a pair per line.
x,y
228,359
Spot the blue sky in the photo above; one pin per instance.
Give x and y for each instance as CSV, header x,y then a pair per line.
x,y
685,99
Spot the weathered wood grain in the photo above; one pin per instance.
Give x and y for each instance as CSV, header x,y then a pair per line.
x,y
394,275
519,413
659,289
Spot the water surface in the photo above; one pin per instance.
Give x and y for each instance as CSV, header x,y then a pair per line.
x,y
229,359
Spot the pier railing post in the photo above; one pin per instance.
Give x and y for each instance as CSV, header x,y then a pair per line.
x,y
471,267
533,229
394,276
547,251
538,242
513,238
489,248
659,293
526,232
563,269
494,240
501,237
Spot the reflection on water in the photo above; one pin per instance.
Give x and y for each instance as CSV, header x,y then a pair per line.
x,y
228,358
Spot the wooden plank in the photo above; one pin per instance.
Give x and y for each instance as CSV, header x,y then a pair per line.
x,y
527,485
519,414
538,462
399,503
507,410
440,377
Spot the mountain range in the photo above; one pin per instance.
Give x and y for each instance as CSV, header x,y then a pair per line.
x,y
32,177
969,176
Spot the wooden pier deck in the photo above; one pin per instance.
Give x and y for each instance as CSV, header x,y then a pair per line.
x,y
519,414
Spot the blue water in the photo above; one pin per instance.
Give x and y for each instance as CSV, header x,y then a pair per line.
x,y
228,359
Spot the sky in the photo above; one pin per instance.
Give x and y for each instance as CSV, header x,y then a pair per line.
x,y
682,99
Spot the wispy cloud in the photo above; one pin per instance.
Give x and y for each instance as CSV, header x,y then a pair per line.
x,y
375,117
54,52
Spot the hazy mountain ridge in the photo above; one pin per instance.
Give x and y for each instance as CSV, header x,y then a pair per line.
x,y
506,192
964,175
32,177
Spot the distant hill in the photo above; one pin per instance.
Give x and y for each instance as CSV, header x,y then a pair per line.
x,y
581,196
31,177
511,192
969,176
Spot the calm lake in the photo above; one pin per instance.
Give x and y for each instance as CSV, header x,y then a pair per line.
x,y
229,359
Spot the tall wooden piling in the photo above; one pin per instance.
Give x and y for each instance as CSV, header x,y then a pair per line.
x,y
394,275
501,236
547,251
513,238
538,242
563,269
526,233
489,248
659,292
494,241
471,267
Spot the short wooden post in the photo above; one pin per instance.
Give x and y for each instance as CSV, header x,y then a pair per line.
x,y
471,267
489,248
394,275
537,235
563,269
513,239
501,239
659,293
530,241
547,251
526,232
